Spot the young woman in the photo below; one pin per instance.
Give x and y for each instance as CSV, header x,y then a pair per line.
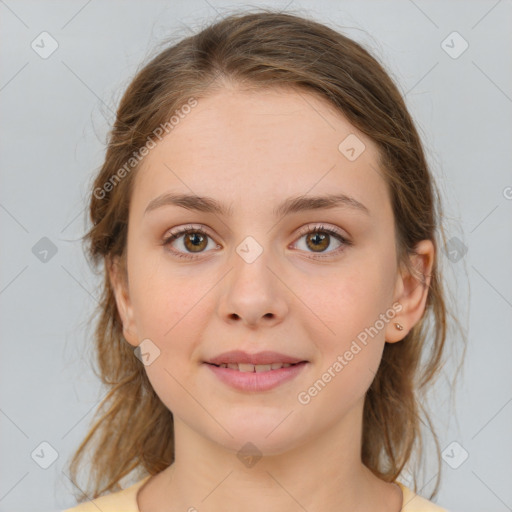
x,y
270,235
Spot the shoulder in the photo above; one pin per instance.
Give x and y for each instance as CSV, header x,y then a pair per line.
x,y
114,502
413,502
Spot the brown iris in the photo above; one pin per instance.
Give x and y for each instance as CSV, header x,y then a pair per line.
x,y
194,240
319,242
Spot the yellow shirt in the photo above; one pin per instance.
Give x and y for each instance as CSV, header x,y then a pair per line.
x,y
126,501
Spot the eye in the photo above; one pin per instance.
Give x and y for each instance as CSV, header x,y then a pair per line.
x,y
194,240
318,239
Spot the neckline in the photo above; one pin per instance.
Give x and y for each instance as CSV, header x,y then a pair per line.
x,y
402,489
139,486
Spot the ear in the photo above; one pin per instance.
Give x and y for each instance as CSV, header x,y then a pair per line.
x,y
119,282
411,291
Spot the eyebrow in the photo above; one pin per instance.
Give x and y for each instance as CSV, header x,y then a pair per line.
x,y
290,205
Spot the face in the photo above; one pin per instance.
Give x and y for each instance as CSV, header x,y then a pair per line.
x,y
253,278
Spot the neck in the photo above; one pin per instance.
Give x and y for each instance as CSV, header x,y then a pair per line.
x,y
324,472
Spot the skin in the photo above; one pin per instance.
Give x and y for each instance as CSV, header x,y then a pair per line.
x,y
251,151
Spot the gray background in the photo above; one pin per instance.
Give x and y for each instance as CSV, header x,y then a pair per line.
x,y
55,114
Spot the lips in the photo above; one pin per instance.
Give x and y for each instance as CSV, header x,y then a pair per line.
x,y
257,368
256,381
250,362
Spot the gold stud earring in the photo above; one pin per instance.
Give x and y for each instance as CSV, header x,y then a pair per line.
x,y
399,327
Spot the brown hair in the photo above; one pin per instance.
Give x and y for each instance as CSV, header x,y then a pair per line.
x,y
260,50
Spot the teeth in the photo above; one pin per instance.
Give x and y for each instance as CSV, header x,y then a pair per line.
x,y
245,367
263,367
242,367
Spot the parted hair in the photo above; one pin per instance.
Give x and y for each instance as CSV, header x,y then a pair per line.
x,y
133,429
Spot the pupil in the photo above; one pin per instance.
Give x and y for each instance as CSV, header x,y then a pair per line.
x,y
319,240
195,239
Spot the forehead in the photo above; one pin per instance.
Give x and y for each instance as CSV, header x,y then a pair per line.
x,y
266,145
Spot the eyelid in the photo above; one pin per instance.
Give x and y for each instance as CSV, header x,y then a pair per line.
x,y
304,230
312,227
188,227
174,234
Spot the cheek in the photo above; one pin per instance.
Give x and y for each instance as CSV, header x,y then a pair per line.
x,y
349,300
164,300
349,340
352,311
171,383
172,309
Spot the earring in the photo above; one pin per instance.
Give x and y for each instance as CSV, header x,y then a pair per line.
x,y
399,327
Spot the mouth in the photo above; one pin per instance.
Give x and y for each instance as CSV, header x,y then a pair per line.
x,y
255,368
248,377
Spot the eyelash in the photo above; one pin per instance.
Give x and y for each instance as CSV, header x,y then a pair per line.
x,y
304,231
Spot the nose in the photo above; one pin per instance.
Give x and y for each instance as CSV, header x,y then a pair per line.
x,y
253,294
